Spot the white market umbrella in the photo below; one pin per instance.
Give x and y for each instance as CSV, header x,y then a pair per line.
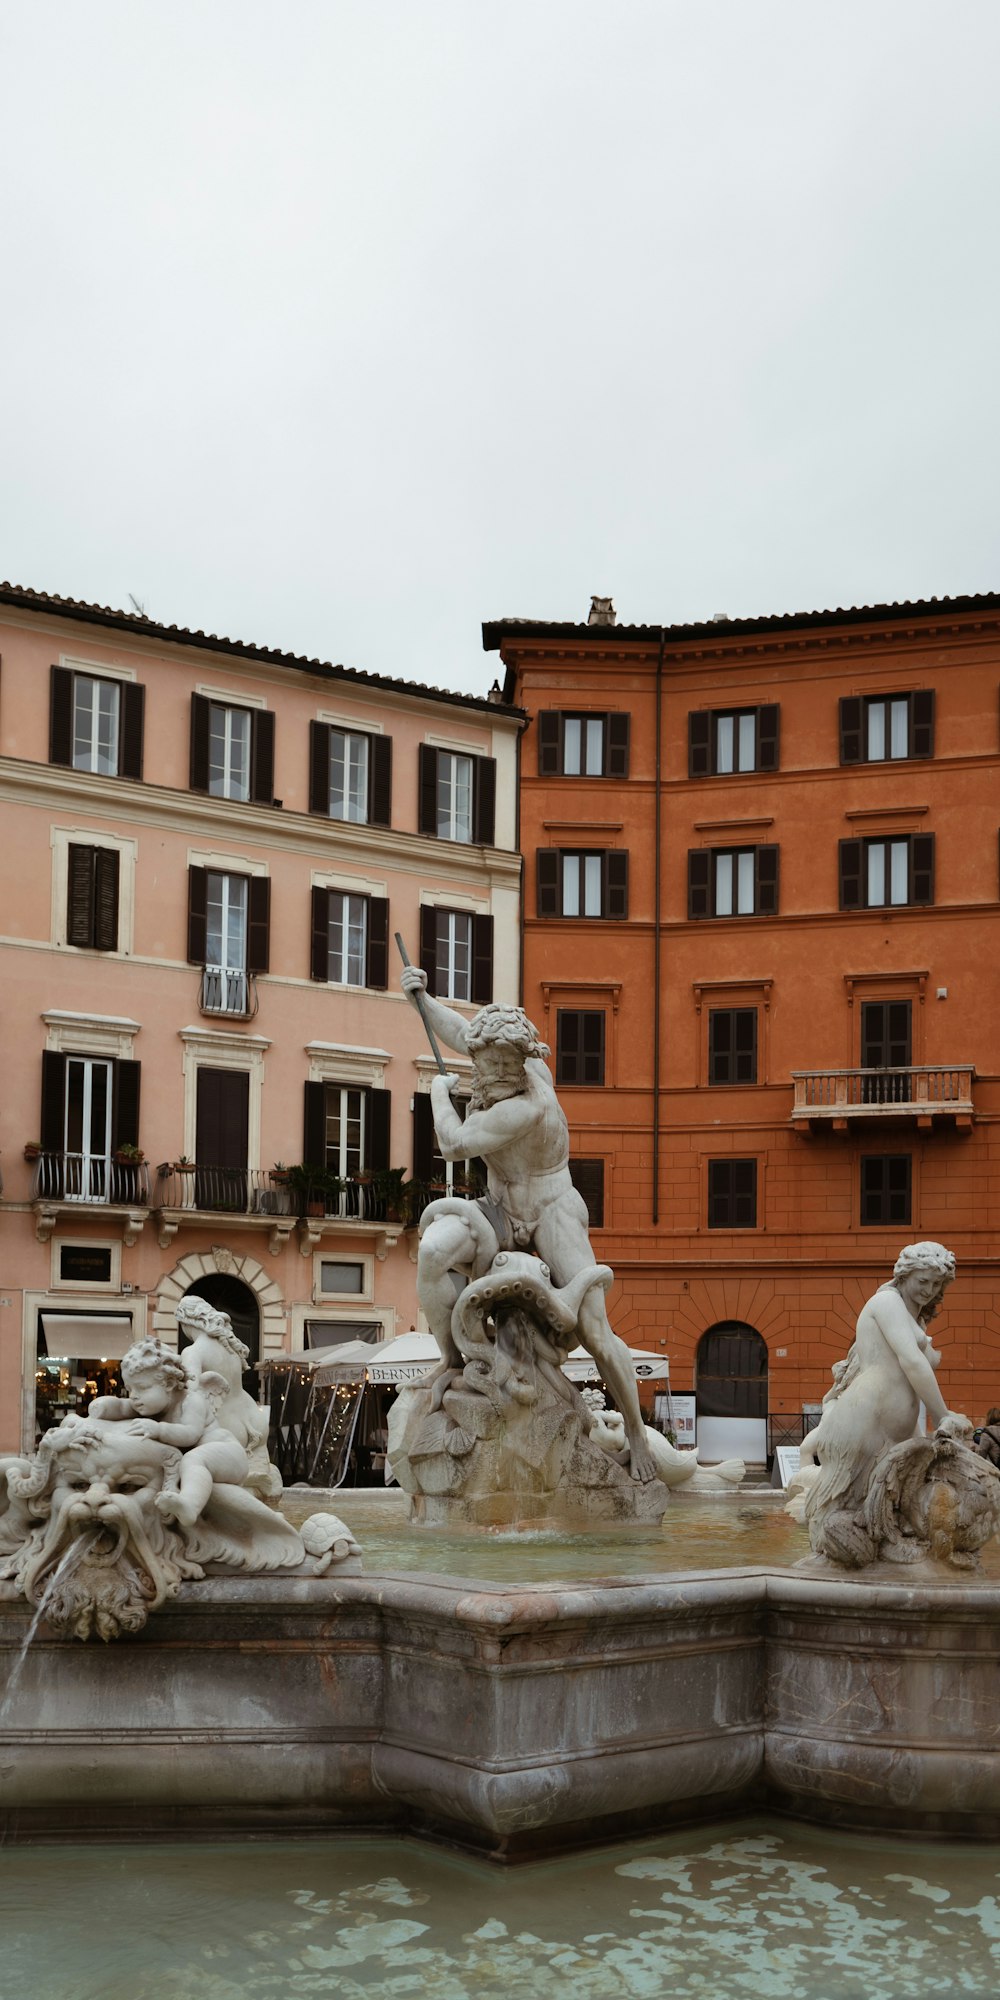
x,y
581,1366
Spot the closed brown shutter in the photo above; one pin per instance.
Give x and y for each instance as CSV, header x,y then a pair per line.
x,y
424,1141
262,757
222,1130
851,717
699,743
922,723
378,942
314,1128
851,859
766,882
549,740
547,901
60,715
258,926
319,945
768,719
482,960
587,1177
106,898
200,728
484,793
197,949
133,703
319,768
428,945
699,880
53,1101
380,781
922,868
80,896
618,729
615,885
379,1107
125,1105
427,789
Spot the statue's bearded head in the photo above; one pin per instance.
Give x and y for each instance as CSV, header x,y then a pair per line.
x,y
500,1041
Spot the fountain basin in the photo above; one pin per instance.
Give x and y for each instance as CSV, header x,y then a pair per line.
x,y
512,1721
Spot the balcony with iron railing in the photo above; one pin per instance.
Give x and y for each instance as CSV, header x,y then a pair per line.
x,y
925,1093
65,1182
229,991
189,1193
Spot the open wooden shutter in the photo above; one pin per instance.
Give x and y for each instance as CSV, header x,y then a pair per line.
x,y
547,882
262,757
617,740
106,898
319,768
615,869
378,942
314,1128
80,896
549,741
197,949
851,718
53,1101
699,881
200,728
768,719
131,711
424,1141
380,781
765,900
699,743
60,715
484,794
258,924
427,775
428,945
125,1105
922,723
319,937
379,1108
482,960
922,868
851,862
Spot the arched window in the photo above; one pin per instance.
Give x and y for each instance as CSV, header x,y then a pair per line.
x,y
731,1372
232,1296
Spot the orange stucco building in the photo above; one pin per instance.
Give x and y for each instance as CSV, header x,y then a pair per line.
x,y
761,935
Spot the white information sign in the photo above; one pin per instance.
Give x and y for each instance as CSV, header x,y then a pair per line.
x,y
787,1456
685,1413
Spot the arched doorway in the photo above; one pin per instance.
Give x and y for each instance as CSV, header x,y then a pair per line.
x,y
230,1295
731,1393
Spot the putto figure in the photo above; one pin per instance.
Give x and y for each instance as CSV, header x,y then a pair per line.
x,y
516,1124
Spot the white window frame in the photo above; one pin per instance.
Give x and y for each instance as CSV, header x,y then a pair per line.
x,y
339,965
451,824
222,1048
451,919
733,887
584,746
890,861
356,752
61,839
323,1297
887,722
735,741
231,784
91,761
581,882
347,1090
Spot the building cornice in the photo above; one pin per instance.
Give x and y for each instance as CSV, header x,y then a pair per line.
x,y
140,804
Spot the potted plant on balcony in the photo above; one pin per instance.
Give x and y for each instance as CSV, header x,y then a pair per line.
x,y
312,1186
280,1174
32,1150
128,1156
389,1186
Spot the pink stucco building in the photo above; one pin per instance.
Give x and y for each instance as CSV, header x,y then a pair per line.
x,y
208,847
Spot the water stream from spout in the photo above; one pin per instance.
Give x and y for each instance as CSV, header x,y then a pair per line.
x,y
67,1561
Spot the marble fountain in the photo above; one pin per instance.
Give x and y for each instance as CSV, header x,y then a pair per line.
x,y
263,1679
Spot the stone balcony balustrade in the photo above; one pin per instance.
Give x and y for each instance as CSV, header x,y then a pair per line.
x,y
924,1093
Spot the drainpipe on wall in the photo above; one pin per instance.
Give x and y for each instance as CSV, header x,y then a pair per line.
x,y
657,873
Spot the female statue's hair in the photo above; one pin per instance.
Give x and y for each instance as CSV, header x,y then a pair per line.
x,y
196,1316
925,1257
150,1355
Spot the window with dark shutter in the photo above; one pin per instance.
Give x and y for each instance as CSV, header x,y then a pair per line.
x,y
132,711
616,885
197,948
380,781
732,1194
425,1155
699,743
587,1177
427,776
922,723
314,1126
768,719
319,935
549,740
377,1129
850,729
547,882
699,881
580,1046
482,960
319,768
484,792
198,768
262,757
125,1104
851,858
886,1190
429,946
258,923
378,942
732,1045
617,745
766,883
922,868
60,715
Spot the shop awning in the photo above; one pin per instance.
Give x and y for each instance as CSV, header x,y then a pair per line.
x,y
405,1359
581,1367
87,1336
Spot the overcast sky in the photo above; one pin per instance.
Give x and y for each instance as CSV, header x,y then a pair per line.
x,y
341,325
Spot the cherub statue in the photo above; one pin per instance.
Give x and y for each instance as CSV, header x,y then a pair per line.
x,y
214,1346
169,1404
